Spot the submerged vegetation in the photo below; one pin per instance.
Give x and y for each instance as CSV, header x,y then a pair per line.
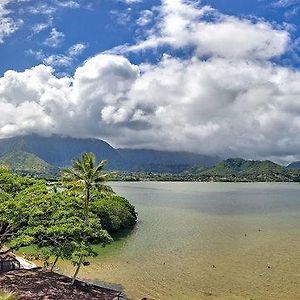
x,y
63,223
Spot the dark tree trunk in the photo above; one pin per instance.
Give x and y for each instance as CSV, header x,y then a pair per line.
x,y
54,263
86,205
77,270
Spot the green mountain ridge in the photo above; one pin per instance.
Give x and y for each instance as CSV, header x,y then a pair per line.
x,y
45,156
59,151
24,162
239,166
238,169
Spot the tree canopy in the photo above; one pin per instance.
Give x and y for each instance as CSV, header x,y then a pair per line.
x,y
66,223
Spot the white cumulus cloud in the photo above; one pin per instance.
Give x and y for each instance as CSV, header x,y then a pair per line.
x,y
219,106
183,24
235,102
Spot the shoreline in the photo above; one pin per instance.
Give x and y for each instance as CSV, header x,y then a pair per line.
x,y
210,182
52,285
23,282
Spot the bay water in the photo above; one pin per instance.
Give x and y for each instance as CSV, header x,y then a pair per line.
x,y
205,241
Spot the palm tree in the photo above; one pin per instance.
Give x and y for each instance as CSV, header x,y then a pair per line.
x,y
85,173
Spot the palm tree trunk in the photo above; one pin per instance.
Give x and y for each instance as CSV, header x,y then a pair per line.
x,y
77,270
54,263
86,204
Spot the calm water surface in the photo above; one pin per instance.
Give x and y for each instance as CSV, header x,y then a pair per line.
x,y
206,241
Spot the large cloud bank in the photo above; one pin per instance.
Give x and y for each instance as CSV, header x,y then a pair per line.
x,y
235,102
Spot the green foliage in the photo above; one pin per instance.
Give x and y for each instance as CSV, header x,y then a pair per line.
x,y
85,172
55,220
114,211
7,295
82,252
62,223
12,213
84,176
12,183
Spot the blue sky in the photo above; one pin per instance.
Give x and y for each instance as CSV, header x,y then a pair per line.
x,y
99,25
215,77
103,24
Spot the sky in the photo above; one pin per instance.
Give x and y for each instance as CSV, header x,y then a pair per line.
x,y
219,77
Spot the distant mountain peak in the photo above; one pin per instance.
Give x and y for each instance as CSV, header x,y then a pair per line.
x,y
59,151
294,165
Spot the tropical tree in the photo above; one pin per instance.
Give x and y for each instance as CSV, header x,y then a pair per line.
x,y
11,218
86,175
66,223
13,183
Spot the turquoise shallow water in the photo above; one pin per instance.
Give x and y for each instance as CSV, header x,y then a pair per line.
x,y
206,241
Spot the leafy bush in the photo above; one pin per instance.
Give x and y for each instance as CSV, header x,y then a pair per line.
x,y
115,212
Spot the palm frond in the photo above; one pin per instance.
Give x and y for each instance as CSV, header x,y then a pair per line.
x,y
71,175
88,160
77,165
100,166
85,174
